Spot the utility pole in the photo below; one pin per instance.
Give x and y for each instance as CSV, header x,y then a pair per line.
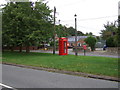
x,y
54,47
59,29
76,52
118,14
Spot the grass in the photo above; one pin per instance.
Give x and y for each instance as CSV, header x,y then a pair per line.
x,y
87,64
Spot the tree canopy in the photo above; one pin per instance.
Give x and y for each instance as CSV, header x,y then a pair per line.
x,y
26,23
91,41
110,33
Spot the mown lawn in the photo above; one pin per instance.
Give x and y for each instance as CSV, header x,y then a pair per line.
x,y
88,64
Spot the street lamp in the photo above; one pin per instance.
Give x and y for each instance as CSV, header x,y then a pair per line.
x,y
75,35
59,22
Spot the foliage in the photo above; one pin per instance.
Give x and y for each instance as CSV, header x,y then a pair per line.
x,y
91,41
79,33
26,23
110,42
98,38
118,32
71,32
89,34
30,24
61,31
110,32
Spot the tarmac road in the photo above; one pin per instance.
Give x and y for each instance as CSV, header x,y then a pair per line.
x,y
70,51
18,77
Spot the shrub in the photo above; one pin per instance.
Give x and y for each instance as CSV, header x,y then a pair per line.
x,y
91,41
110,42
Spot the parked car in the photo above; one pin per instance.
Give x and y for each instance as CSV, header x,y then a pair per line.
x,y
104,48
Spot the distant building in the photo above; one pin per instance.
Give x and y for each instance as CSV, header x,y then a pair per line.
x,y
100,44
80,40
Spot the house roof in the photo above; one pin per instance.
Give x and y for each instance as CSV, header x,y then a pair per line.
x,y
72,38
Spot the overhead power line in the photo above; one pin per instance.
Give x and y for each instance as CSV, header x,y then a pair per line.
x,y
90,18
97,18
87,27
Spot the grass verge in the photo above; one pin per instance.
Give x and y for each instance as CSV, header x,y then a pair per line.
x,y
87,64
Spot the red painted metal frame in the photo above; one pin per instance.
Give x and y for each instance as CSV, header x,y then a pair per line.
x,y
62,49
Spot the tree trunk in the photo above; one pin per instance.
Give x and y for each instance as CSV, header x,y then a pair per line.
x,y
20,48
12,48
2,48
27,49
92,48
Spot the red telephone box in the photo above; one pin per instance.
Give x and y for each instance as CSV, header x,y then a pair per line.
x,y
63,48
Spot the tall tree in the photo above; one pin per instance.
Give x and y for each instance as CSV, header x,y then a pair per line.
x,y
26,23
89,34
79,33
110,30
8,25
110,33
118,32
71,31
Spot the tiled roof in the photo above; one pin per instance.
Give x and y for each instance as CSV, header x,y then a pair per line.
x,y
72,38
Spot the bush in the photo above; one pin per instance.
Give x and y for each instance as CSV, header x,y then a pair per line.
x,y
110,42
91,41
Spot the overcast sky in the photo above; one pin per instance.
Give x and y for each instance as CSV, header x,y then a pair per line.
x,y
91,14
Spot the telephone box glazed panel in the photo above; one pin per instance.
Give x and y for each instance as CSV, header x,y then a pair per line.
x,y
63,48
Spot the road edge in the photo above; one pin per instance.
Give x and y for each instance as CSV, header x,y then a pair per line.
x,y
67,72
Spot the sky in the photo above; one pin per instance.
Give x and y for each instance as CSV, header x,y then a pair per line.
x,y
91,14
